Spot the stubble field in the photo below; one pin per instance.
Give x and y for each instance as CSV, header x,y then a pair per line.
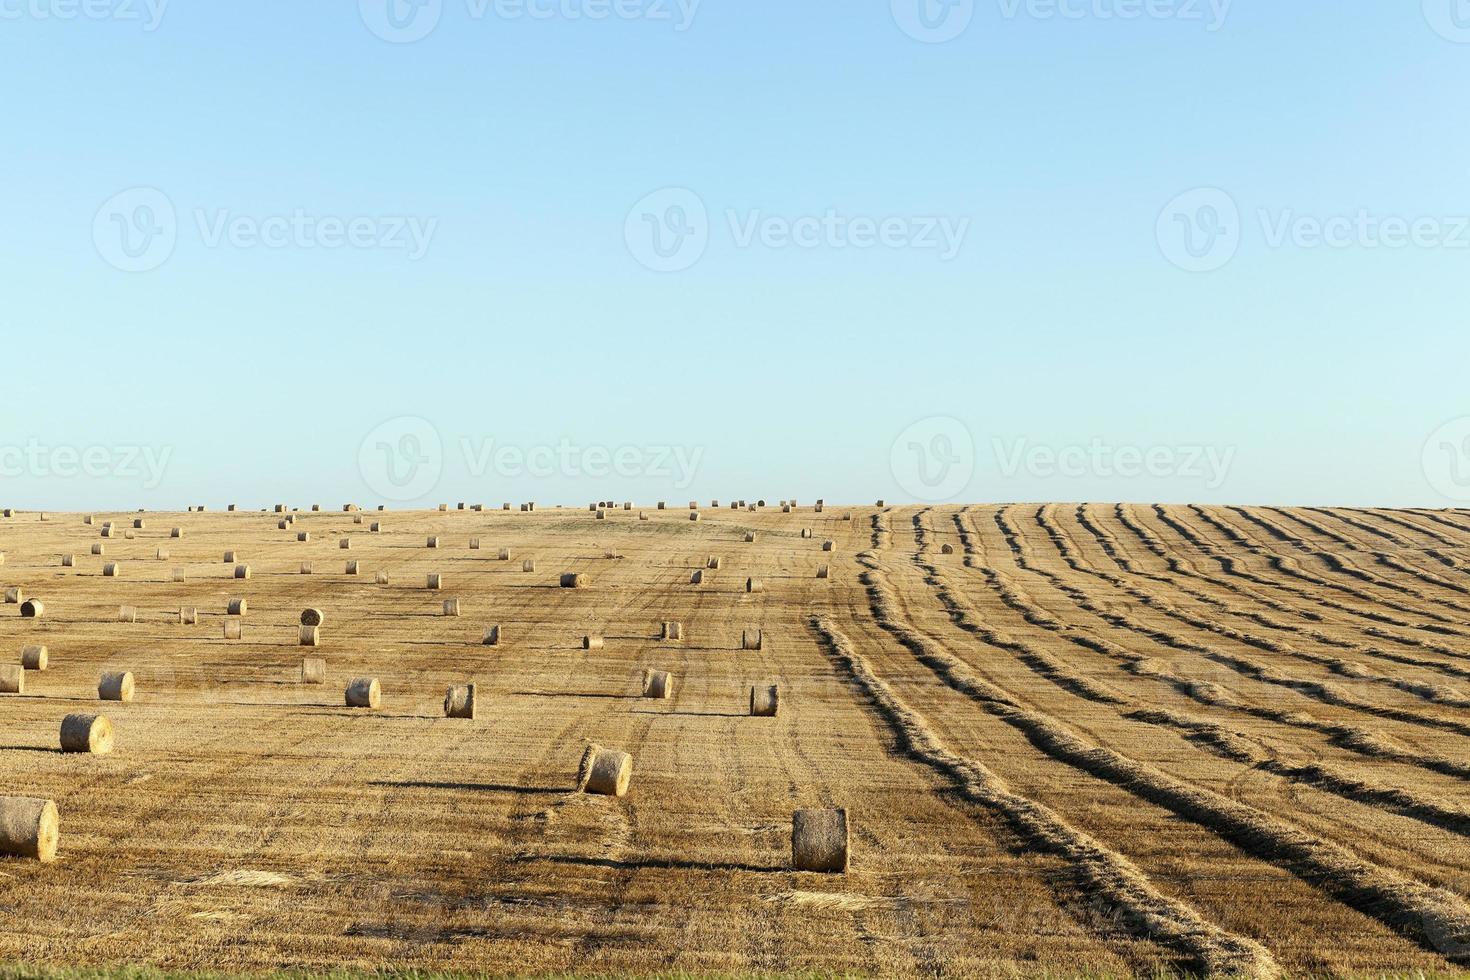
x,y
1102,739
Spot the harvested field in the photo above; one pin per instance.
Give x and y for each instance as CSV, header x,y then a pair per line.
x,y
1071,739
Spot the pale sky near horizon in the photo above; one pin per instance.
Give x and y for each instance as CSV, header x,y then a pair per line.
x,y
410,252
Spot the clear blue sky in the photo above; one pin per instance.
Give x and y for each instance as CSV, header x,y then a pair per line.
x,y
520,146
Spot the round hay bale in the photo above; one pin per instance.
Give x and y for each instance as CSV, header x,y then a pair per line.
x,y
697,577
345,544
694,505
364,692
714,561
106,531
451,607
749,537
112,569
503,555
828,545
310,636
601,514
694,515
824,571
138,523
754,585
529,565
806,532
673,631
161,554
115,685
573,580
35,657
432,542
351,568
306,568
765,701
68,561
946,549
99,549
492,637
237,607
847,517
313,670
752,639
459,702
818,508
434,582
12,679
177,532
230,557
881,504
819,841
233,629
316,508
242,571
312,617
32,609
303,536
88,519
658,685
590,642
376,527
86,733
28,828
188,616
605,772
785,508
642,516
661,505
127,614
627,505
474,544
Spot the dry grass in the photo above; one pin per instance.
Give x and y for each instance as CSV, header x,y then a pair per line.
x,y
1092,741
